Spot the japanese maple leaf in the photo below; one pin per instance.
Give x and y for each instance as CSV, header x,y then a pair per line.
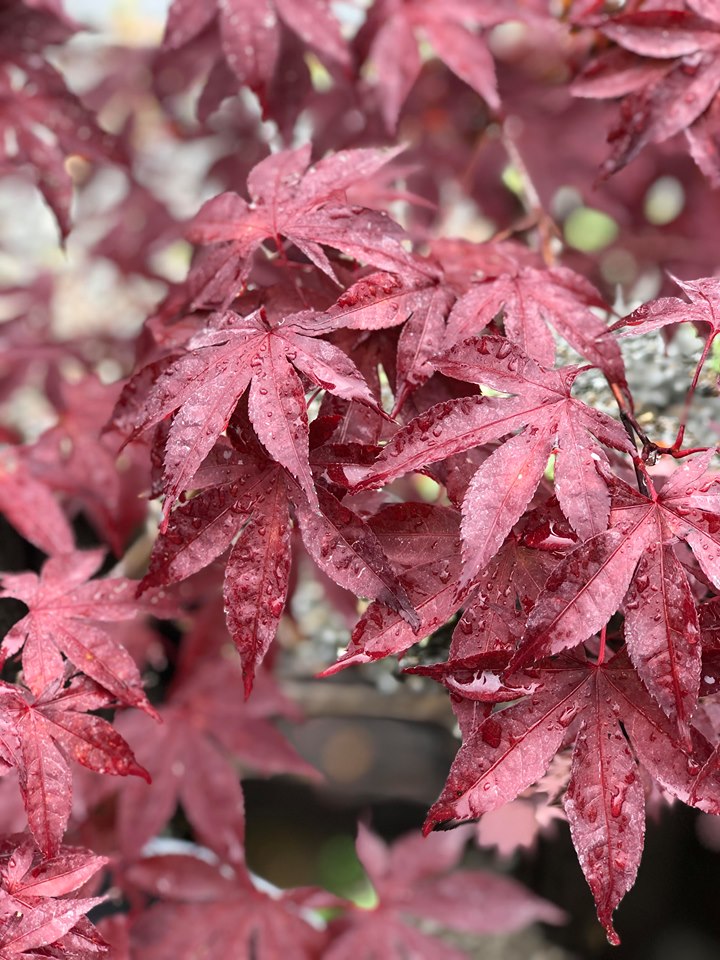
x,y
452,28
42,122
193,757
34,893
637,552
530,299
493,620
415,877
27,876
30,506
668,72
306,207
203,386
505,482
381,300
573,700
65,609
38,735
703,308
250,34
49,928
218,910
245,493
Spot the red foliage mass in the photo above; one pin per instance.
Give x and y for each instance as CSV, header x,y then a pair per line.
x,y
334,347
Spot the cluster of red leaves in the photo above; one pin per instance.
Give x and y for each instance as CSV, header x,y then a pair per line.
x,y
318,351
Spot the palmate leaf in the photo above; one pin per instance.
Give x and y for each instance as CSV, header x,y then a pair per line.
x,y
494,617
65,610
35,909
413,878
43,122
216,908
307,207
422,542
662,628
577,701
250,34
37,735
79,462
704,297
420,304
26,874
391,35
203,386
25,933
193,758
250,495
668,71
30,506
531,301
505,482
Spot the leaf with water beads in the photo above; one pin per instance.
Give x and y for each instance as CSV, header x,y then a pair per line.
x,y
202,389
41,733
577,701
343,545
543,407
65,609
531,301
662,633
256,578
308,208
703,307
605,806
668,77
588,587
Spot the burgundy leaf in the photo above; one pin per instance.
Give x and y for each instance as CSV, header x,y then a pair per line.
x,y
65,607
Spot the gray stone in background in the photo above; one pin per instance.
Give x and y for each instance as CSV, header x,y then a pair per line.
x,y
659,376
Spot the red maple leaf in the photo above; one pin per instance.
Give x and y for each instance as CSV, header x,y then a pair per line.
x,y
203,386
668,72
194,754
242,492
702,311
309,208
388,41
42,121
415,878
381,300
638,552
38,735
30,506
35,909
529,299
250,34
575,701
503,486
25,874
493,620
79,461
65,609
217,909
704,296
